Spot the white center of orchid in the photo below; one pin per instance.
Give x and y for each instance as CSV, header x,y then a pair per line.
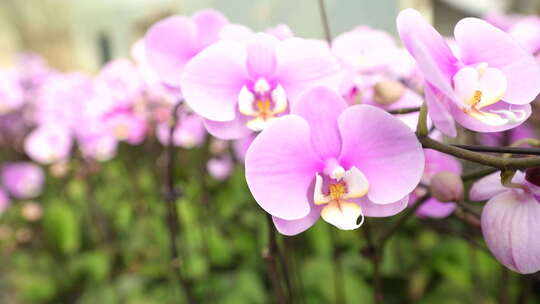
x,y
480,86
263,102
341,185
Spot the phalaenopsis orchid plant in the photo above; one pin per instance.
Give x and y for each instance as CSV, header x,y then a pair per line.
x,y
329,132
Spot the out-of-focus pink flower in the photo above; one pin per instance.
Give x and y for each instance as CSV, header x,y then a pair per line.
x,y
11,92
154,89
4,201
240,87
48,144
172,42
98,146
220,167
23,180
189,131
510,221
121,81
126,126
333,161
280,31
488,88
59,99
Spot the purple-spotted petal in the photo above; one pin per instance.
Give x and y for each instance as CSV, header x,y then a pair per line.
x,y
261,61
487,187
384,149
429,48
302,64
213,79
228,130
372,209
481,42
281,166
209,24
293,227
170,44
321,107
510,226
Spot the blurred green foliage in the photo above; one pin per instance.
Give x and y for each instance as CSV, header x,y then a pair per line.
x,y
103,238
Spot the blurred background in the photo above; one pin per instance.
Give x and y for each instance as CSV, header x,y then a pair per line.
x,y
67,33
97,234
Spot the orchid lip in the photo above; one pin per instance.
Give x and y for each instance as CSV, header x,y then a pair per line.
x,y
263,102
341,185
480,86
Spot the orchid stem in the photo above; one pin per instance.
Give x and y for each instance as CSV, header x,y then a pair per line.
x,y
502,163
337,269
375,254
406,215
271,256
421,127
404,110
494,149
326,24
170,197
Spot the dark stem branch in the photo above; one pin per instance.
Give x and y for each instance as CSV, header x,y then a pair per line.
x,y
494,149
375,253
406,215
326,24
404,110
170,197
271,255
502,163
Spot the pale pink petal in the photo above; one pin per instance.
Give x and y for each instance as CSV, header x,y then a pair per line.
x,y
281,166
481,42
321,107
438,111
372,209
212,80
293,227
429,48
228,130
261,61
170,44
384,149
302,64
510,226
209,24
487,187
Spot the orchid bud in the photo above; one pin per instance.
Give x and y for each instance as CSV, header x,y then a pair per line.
x,y
446,187
532,175
388,91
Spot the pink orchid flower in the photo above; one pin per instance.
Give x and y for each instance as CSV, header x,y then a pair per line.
x,y
4,201
332,161
510,220
488,88
189,132
240,87
48,144
23,180
172,42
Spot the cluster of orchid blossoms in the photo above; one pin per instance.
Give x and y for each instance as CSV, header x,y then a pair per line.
x,y
311,120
